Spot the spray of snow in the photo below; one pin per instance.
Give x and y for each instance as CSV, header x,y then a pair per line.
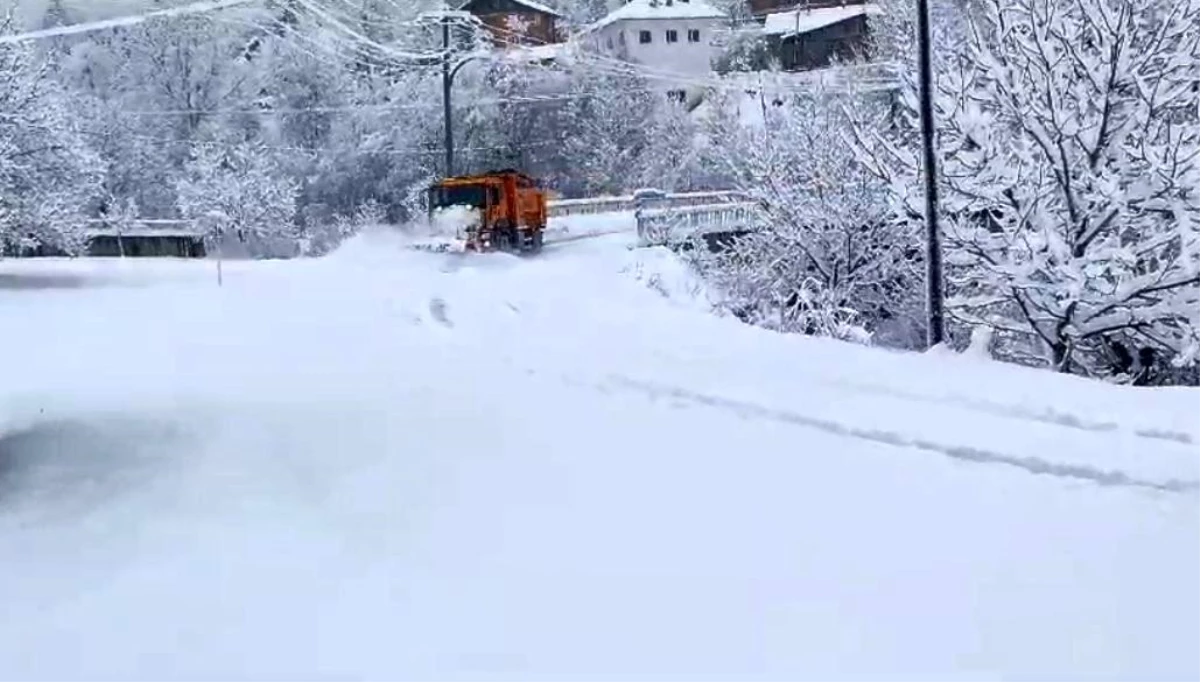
x,y
445,229
980,347
454,221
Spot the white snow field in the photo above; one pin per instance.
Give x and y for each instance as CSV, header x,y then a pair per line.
x,y
387,464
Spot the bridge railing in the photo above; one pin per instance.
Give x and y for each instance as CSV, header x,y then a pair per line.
x,y
616,204
665,225
568,207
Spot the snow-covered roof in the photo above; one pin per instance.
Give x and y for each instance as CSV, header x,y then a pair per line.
x,y
661,9
142,232
805,20
531,4
539,7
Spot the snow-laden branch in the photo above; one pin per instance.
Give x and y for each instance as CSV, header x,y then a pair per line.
x,y
1070,137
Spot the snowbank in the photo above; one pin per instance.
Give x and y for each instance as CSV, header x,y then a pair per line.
x,y
664,272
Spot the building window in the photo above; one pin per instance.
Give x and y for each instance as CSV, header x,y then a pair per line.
x,y
672,36
610,43
693,35
644,37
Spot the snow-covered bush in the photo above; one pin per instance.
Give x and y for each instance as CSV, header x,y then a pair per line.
x,y
824,255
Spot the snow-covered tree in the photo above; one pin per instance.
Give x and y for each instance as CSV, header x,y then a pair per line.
x,y
146,92
513,118
825,255
582,12
191,66
1073,178
893,32
236,192
607,131
48,173
891,145
673,157
384,142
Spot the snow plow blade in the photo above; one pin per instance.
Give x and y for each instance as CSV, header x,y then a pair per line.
x,y
452,246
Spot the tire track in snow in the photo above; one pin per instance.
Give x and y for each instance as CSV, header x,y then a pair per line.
x,y
1033,465
440,312
1049,415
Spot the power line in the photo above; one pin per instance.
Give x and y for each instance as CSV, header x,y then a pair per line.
x,y
314,151
385,49
352,107
88,27
296,40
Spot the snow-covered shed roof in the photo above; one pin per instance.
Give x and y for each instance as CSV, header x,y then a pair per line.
x,y
805,20
661,9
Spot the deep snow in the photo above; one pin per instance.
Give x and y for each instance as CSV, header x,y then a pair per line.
x,y
391,464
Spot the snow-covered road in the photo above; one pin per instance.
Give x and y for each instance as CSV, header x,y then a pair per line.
x,y
391,464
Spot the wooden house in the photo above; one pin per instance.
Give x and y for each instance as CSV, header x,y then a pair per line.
x,y
518,22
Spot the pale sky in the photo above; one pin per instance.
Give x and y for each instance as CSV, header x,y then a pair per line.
x,y
32,10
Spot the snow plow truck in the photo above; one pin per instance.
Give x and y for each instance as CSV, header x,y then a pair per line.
x,y
503,210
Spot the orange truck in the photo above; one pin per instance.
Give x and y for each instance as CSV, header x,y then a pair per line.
x,y
509,208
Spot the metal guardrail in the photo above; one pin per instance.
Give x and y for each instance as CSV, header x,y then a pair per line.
x,y
590,206
568,207
665,225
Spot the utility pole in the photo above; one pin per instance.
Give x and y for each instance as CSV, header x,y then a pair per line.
x,y
448,73
934,288
447,83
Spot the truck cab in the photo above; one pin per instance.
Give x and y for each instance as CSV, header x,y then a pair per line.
x,y
507,209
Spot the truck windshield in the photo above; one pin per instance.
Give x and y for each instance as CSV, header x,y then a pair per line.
x,y
463,195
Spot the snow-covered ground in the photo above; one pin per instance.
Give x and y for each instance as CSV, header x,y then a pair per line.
x,y
391,464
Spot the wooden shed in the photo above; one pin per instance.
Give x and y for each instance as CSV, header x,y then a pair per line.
x,y
812,35
170,239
